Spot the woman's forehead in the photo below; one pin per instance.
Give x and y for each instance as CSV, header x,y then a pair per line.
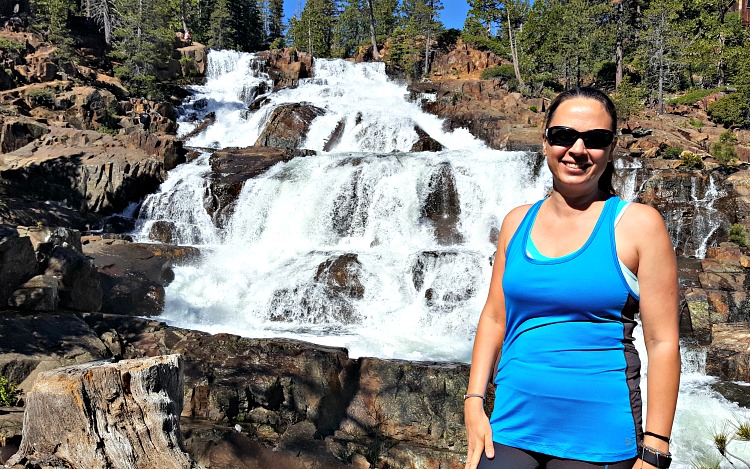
x,y
582,110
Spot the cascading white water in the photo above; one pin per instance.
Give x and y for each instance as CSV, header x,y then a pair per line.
x,y
337,248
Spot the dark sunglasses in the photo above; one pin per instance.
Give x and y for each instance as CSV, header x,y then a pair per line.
x,y
567,137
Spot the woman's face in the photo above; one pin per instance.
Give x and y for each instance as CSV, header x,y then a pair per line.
x,y
576,166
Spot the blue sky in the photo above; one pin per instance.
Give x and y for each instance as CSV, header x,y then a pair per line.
x,y
452,16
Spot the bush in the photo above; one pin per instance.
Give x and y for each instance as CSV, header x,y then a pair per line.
x,y
486,44
697,123
628,101
533,109
672,153
690,160
42,97
693,95
732,111
504,72
10,45
9,393
724,151
738,235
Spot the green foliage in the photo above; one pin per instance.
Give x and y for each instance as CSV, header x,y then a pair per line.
x,y
533,109
628,101
694,95
732,110
504,71
738,235
10,395
42,97
492,44
313,31
671,153
690,160
697,123
724,150
11,45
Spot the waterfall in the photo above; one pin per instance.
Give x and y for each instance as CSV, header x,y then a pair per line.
x,y
367,245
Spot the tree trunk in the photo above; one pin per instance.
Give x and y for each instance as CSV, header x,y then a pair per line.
x,y
101,415
373,36
514,55
660,55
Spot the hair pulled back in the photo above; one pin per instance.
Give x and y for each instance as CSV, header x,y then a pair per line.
x,y
588,92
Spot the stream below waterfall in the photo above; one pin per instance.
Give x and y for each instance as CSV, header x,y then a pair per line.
x,y
358,211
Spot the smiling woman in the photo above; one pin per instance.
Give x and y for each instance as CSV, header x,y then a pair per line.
x,y
571,273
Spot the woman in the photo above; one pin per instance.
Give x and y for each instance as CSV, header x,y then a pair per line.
x,y
571,272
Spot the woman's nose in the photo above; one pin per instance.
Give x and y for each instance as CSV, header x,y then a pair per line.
x,y
578,146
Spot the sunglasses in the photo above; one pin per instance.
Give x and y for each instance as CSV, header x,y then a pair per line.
x,y
567,137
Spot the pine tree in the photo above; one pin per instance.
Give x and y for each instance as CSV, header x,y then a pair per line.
x,y
276,22
141,42
313,31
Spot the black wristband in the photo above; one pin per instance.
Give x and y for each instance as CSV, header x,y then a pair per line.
x,y
654,457
657,436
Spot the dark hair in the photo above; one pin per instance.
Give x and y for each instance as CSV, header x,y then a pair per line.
x,y
605,181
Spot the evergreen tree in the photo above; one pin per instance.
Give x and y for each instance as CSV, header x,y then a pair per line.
x,y
52,16
313,31
142,42
420,20
276,22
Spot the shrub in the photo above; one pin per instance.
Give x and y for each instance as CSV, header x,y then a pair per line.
x,y
697,123
11,45
723,150
693,95
732,111
738,235
533,109
672,153
690,160
9,393
628,100
504,71
42,97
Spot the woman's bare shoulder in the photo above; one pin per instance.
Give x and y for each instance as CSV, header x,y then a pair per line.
x,y
643,215
513,219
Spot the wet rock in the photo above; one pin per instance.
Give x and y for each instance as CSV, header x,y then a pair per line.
x,y
133,275
107,415
441,206
448,283
230,169
163,232
729,353
17,262
288,125
425,142
341,274
335,137
118,224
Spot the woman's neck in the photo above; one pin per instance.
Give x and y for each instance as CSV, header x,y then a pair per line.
x,y
562,203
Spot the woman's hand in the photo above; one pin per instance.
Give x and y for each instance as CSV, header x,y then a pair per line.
x,y
478,432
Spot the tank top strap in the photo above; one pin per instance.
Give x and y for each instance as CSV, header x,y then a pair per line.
x,y
518,241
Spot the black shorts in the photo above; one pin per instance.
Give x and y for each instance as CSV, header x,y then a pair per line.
x,y
507,457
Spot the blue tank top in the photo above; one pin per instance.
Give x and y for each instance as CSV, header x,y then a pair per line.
x,y
568,379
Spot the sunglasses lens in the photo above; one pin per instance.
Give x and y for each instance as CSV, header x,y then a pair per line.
x,y
562,136
566,137
598,138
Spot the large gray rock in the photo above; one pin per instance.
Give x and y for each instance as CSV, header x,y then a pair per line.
x,y
35,343
38,294
121,415
79,287
729,353
231,168
17,262
133,275
441,206
90,171
288,125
